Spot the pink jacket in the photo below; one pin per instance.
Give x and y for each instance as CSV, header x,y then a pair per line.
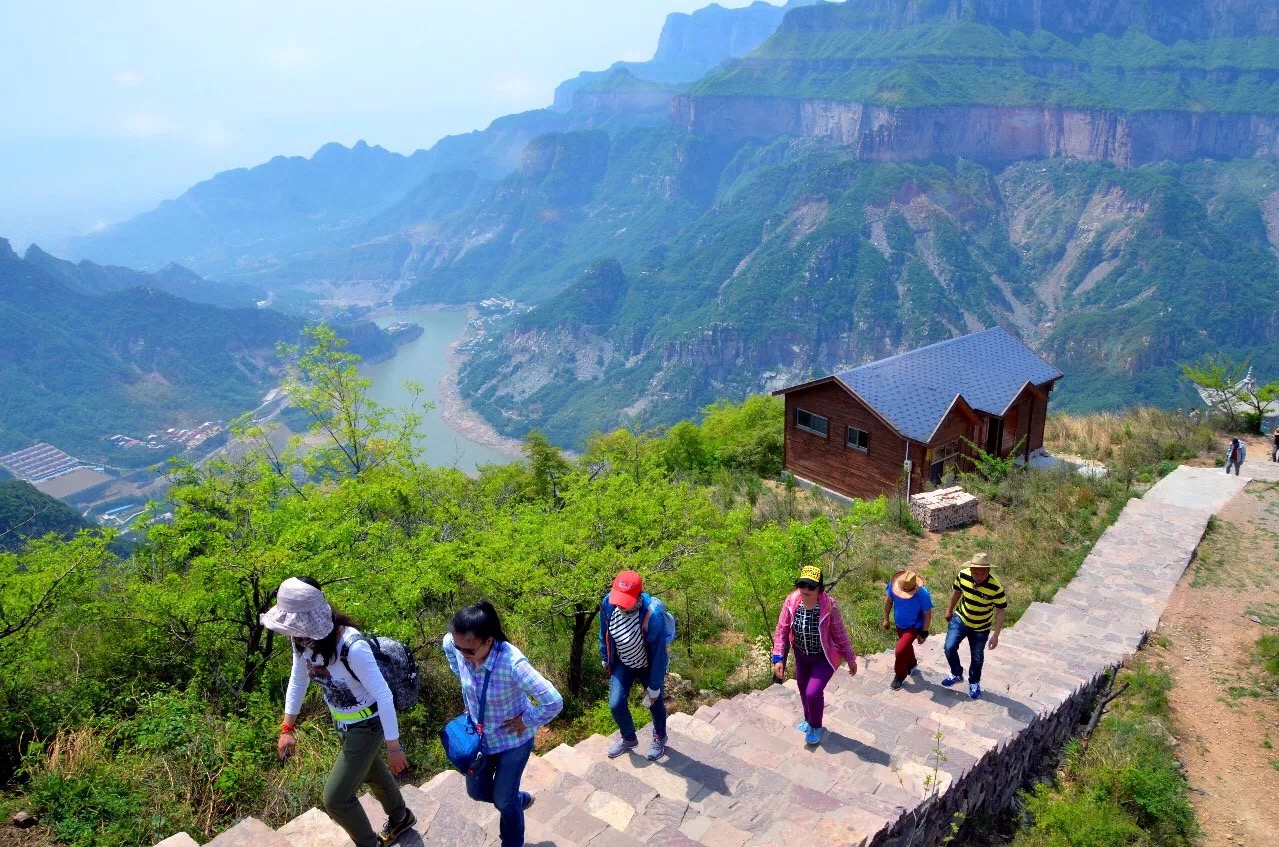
x,y
834,635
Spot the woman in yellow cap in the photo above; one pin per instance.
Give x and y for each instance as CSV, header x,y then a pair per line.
x,y
810,622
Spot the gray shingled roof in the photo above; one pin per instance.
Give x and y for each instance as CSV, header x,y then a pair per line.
x,y
914,390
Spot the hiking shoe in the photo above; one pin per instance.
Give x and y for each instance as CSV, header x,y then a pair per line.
x,y
813,736
896,684
657,749
951,679
527,800
802,726
392,831
622,745
974,691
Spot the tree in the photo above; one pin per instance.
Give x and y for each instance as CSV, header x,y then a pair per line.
x,y
1218,379
355,433
47,574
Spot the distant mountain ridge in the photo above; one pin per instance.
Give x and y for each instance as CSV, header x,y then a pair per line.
x,y
294,223
89,278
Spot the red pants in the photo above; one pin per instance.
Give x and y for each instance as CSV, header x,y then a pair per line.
x,y
904,654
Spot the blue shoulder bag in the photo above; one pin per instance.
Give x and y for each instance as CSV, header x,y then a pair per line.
x,y
461,736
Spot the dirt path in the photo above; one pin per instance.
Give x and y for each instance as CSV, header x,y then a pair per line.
x,y
1225,712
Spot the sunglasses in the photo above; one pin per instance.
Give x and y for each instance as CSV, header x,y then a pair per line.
x,y
468,651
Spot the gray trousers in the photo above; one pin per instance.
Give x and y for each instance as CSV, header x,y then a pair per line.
x,y
1234,463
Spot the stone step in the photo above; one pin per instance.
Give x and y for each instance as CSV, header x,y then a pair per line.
x,y
313,828
181,839
249,832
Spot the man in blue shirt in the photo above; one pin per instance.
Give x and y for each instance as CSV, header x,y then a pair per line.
x,y
912,608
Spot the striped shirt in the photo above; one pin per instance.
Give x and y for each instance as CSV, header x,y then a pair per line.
x,y
807,638
977,603
628,634
516,688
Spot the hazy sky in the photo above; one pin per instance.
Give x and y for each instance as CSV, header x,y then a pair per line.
x,y
106,108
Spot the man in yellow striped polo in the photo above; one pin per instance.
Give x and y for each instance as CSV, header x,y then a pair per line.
x,y
982,604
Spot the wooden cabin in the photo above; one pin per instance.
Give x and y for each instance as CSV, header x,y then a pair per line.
x,y
856,431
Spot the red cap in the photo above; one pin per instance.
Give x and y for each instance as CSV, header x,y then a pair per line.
x,y
627,586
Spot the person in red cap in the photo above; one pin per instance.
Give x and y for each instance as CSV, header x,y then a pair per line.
x,y
635,630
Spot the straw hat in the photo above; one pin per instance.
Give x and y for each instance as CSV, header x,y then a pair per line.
x,y
300,611
979,560
906,584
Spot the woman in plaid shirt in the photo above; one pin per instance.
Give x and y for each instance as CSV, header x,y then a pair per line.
x,y
519,701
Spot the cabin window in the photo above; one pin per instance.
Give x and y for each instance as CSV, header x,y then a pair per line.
x,y
858,439
944,459
809,422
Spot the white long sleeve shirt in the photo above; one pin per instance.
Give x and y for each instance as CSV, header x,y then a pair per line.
x,y
344,693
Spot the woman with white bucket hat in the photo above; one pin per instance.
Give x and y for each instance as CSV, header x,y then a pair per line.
x,y
359,700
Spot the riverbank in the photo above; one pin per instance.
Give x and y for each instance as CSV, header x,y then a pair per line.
x,y
457,414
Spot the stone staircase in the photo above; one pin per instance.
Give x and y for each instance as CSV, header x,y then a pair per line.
x,y
895,767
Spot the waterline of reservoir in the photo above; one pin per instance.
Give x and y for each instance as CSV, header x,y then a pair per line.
x,y
425,361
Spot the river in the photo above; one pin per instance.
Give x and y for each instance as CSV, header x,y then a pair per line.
x,y
424,360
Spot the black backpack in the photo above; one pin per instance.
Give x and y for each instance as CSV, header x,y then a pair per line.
x,y
395,661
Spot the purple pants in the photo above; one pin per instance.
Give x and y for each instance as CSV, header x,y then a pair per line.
x,y
811,675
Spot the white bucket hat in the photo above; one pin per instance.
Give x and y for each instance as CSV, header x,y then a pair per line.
x,y
300,611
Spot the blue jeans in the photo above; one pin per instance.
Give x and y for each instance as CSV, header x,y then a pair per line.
x,y
957,632
619,689
497,781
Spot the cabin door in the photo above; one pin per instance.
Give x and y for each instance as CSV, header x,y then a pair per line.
x,y
995,436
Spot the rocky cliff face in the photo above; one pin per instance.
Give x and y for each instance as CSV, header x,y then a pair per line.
x,y
986,133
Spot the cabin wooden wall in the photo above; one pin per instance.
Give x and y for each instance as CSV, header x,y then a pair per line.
x,y
827,461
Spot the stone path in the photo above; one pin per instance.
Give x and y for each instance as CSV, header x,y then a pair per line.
x,y
895,767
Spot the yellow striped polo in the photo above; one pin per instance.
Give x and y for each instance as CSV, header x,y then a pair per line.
x,y
977,603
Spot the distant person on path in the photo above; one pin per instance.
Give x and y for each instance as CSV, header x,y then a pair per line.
x,y
811,623
912,609
982,603
1235,455
634,634
359,700
1274,451
518,701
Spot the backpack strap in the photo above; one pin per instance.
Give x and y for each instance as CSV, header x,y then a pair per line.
x,y
345,649
484,695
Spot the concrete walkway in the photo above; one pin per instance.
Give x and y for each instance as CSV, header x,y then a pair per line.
x,y
895,768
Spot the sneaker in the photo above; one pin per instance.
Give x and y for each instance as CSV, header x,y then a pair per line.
x,y
392,831
622,745
896,684
527,800
802,726
657,749
951,679
974,691
813,736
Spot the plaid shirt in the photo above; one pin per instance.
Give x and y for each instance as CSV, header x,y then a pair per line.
x,y
515,689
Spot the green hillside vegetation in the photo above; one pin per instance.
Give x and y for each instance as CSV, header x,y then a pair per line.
x,y
945,63
789,257
25,513
162,715
77,368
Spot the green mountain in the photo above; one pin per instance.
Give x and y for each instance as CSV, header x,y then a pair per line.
x,y
26,513
77,368
89,278
878,174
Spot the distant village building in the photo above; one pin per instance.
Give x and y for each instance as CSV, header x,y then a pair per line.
x,y
855,431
